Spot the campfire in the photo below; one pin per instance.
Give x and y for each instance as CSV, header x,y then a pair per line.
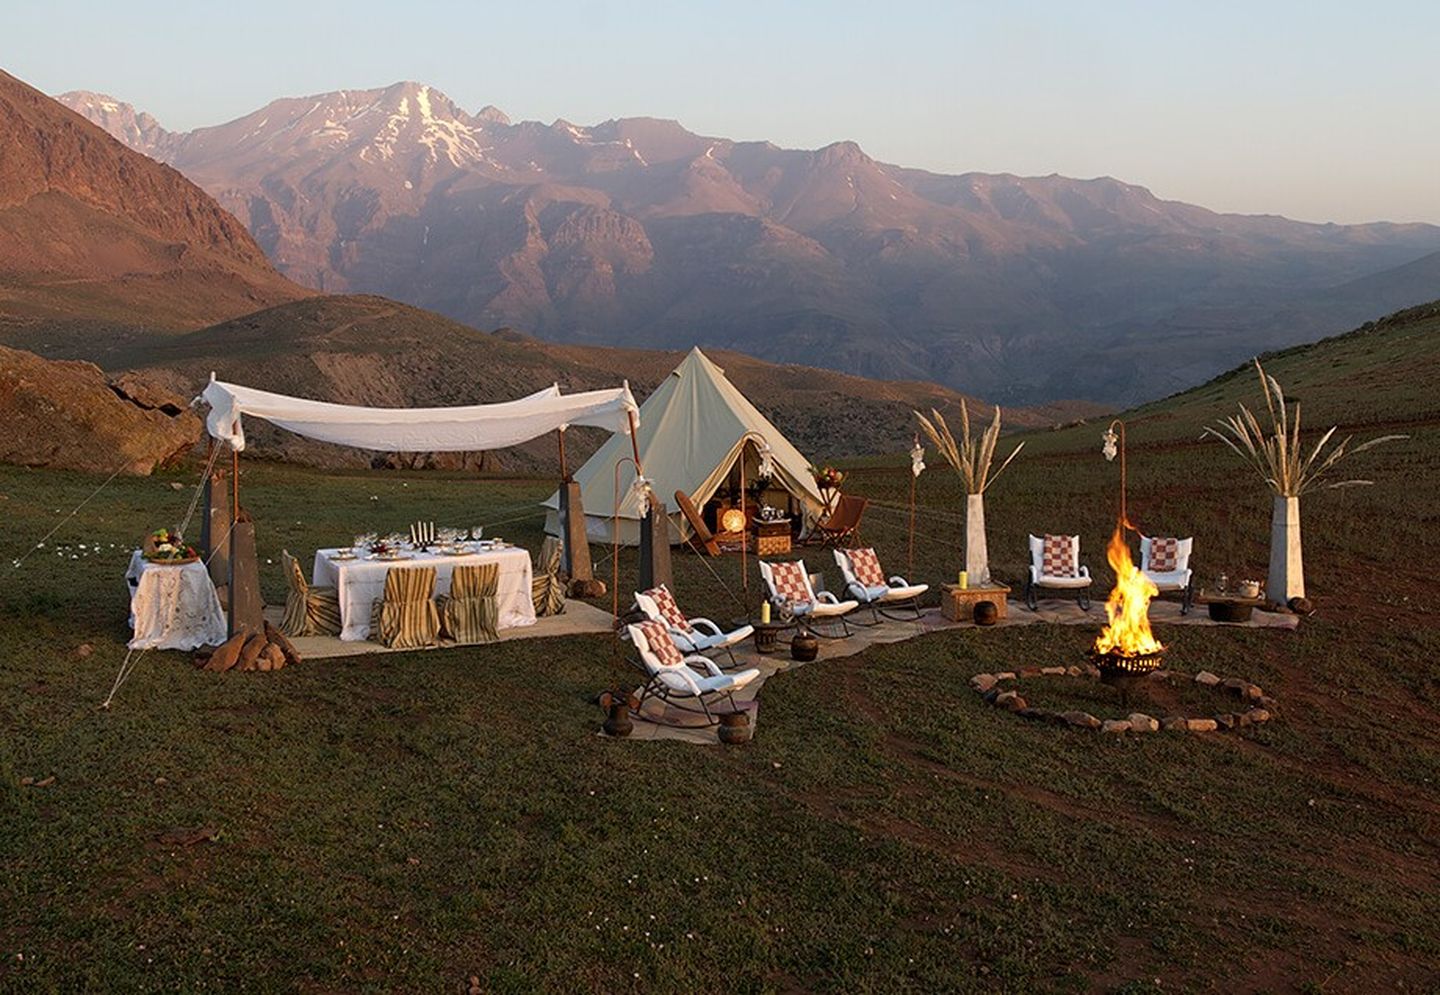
x,y
1126,646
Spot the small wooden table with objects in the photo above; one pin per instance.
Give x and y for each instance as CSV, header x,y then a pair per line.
x,y
767,634
958,603
772,537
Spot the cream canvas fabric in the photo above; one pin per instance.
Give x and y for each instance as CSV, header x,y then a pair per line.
x,y
692,429
417,430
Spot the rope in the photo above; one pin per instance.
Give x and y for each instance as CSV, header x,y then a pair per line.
x,y
199,489
15,564
126,668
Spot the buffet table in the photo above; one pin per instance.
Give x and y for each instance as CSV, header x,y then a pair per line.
x,y
173,607
360,583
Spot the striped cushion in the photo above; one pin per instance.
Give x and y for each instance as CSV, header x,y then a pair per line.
x,y
1164,555
669,610
865,565
662,647
407,617
471,613
1057,557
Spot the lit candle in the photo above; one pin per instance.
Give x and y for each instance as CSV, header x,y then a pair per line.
x,y
964,580
764,613
412,534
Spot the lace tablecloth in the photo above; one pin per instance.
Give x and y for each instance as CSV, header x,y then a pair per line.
x,y
173,607
361,582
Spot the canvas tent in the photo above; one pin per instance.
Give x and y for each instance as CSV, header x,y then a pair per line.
x,y
693,428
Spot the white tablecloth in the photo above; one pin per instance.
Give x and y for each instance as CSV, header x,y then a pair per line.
x,y
173,607
360,583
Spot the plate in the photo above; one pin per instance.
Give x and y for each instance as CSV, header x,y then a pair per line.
x,y
390,557
343,555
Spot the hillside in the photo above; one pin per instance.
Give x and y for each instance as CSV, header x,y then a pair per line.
x,y
639,232
369,350
92,230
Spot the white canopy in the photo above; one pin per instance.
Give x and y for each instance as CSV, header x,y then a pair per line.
x,y
418,430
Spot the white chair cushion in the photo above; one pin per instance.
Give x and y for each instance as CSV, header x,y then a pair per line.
x,y
1174,580
824,609
1069,583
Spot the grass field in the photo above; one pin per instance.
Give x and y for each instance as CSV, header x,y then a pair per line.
x,y
401,823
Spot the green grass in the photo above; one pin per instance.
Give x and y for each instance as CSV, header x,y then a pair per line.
x,y
400,823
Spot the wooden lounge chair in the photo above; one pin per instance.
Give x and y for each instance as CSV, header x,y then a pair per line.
x,y
470,613
309,610
1166,561
673,675
700,537
406,617
692,635
1055,565
841,526
867,584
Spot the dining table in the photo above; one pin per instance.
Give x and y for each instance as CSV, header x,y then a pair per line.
x,y
359,580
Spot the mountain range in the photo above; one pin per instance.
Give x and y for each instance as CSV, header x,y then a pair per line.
x,y
639,232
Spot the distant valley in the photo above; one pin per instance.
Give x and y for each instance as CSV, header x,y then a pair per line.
x,y
637,232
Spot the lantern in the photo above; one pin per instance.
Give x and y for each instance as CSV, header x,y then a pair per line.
x,y
733,520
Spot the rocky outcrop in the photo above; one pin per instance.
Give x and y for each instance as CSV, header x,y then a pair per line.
x,y
69,415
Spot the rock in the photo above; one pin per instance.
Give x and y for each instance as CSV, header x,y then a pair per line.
x,y
1081,720
1038,714
63,414
84,650
1267,702
1025,672
228,654
1140,722
272,657
1174,723
1206,678
1227,720
1258,715
586,589
1253,692
1011,700
26,782
990,696
175,485
278,638
1091,670
250,652
1200,725
1073,671
982,682
162,781
1008,675
1053,671
1235,685
45,782
1115,726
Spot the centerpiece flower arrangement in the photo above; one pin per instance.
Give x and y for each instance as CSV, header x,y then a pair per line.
x,y
168,546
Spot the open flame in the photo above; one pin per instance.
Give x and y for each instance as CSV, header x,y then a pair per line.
x,y
1128,607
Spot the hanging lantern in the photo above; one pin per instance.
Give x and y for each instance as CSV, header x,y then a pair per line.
x,y
641,494
1110,439
767,460
917,459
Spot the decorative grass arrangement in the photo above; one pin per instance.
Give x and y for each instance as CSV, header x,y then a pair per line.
x,y
971,457
1278,456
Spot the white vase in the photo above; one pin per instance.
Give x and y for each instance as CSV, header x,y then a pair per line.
x,y
1287,572
977,558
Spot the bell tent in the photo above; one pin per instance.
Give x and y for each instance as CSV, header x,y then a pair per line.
x,y
693,430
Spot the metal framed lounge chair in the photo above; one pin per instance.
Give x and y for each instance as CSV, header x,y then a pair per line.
x,y
700,536
675,678
790,590
867,584
470,613
309,610
692,635
1166,561
406,617
842,525
1055,566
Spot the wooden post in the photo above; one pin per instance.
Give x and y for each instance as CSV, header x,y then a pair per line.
x,y
910,558
245,612
654,529
575,560
215,532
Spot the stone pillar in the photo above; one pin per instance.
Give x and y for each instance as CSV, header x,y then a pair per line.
x,y
246,611
977,558
655,550
1287,571
575,543
215,534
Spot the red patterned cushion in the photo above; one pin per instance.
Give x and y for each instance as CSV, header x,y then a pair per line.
x,y
791,584
1057,557
657,636
1164,555
865,565
669,610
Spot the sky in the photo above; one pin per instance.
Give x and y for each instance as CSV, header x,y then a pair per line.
x,y
1320,111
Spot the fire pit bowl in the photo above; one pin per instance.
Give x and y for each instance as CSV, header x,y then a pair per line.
x,y
1123,663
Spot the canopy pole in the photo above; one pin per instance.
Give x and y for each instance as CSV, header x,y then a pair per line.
x,y
744,530
564,469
